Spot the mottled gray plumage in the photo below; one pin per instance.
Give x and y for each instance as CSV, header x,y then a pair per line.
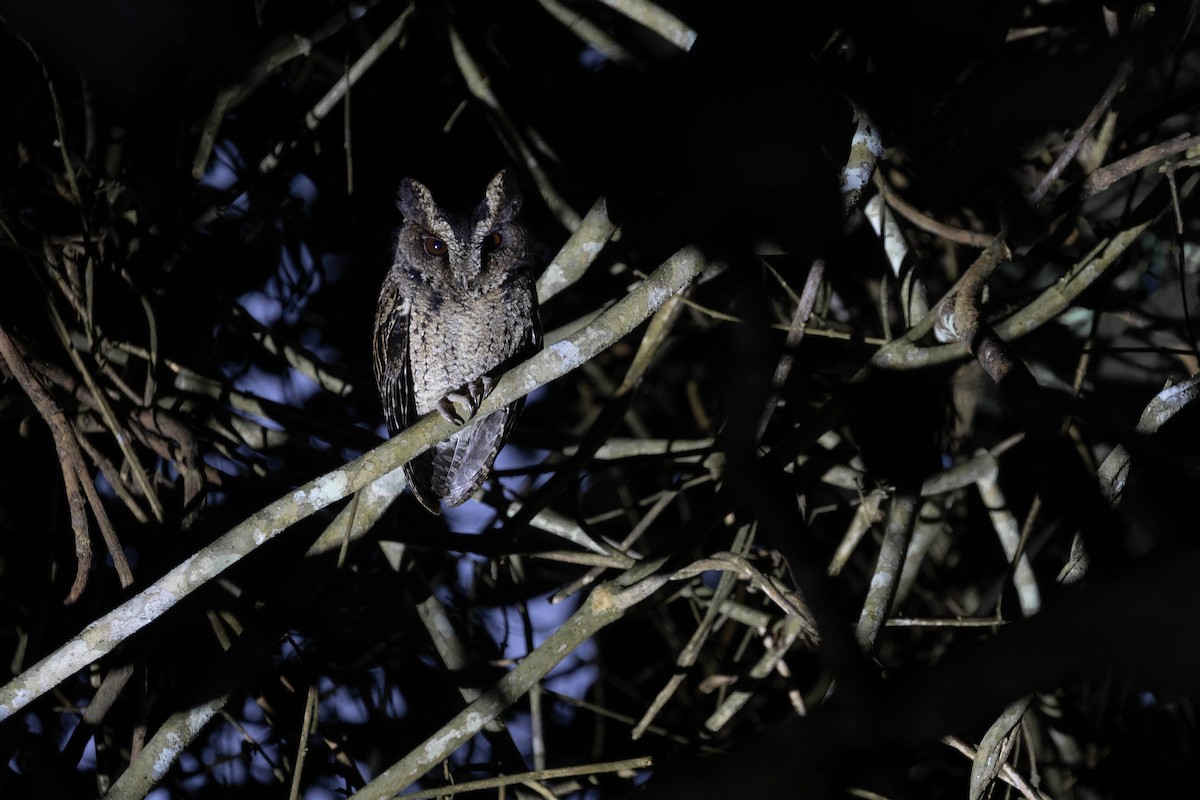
x,y
457,308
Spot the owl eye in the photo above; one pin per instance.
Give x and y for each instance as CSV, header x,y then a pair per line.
x,y
433,245
492,242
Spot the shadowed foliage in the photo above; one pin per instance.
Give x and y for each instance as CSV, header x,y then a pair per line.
x,y
893,498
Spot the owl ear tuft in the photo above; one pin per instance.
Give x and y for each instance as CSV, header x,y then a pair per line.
x,y
414,201
502,199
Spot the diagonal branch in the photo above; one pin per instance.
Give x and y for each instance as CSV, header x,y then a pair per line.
x,y
105,633
75,475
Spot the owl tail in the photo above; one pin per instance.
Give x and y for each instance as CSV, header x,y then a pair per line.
x,y
451,471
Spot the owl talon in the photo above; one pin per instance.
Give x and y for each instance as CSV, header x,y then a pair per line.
x,y
445,407
470,395
478,389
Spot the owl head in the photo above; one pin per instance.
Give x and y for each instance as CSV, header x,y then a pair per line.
x,y
456,254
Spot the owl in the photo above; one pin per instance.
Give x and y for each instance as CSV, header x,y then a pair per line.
x,y
457,308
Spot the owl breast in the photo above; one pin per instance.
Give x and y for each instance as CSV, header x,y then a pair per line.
x,y
453,340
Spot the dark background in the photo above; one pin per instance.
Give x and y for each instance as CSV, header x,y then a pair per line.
x,y
735,146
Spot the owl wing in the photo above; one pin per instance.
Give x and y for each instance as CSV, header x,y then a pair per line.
x,y
393,378
390,361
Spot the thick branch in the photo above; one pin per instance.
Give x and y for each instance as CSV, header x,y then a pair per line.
x,y
101,636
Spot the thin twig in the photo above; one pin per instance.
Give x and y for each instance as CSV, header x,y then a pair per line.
x,y
307,726
59,126
589,32
278,53
1105,177
808,298
1124,70
501,781
315,115
1010,775
479,86
928,223
71,460
657,19
886,576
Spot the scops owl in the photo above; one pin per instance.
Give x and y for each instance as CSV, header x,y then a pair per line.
x,y
458,307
